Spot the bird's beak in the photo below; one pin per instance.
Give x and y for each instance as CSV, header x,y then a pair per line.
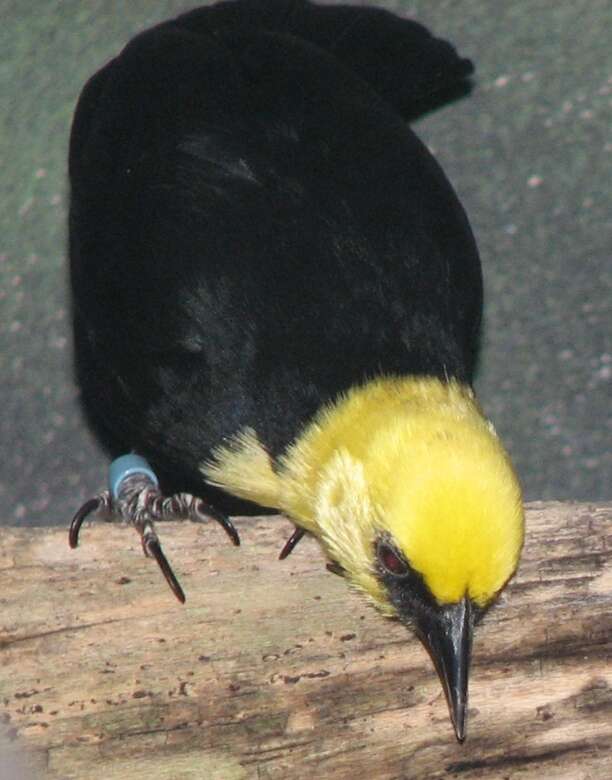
x,y
447,635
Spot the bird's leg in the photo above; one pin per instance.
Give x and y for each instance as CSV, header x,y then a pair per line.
x,y
291,542
135,498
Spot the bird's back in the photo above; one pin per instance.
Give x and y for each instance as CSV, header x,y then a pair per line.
x,y
254,230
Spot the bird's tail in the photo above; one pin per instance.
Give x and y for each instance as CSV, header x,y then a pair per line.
x,y
408,67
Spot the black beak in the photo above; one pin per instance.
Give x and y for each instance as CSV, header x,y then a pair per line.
x,y
447,635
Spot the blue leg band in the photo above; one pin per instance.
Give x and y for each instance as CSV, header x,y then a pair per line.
x,y
124,467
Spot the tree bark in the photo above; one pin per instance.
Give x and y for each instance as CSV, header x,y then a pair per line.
x,y
274,669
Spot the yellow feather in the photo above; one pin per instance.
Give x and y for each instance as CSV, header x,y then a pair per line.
x,y
413,458
243,467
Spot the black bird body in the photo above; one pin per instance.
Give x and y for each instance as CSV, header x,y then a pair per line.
x,y
277,298
254,229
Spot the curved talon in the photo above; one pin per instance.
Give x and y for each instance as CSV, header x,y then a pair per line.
x,y
335,568
291,542
152,548
77,521
203,511
134,496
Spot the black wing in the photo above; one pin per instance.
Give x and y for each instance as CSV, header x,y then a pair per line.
x,y
254,229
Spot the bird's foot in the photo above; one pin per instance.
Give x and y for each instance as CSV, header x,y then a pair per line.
x,y
291,542
135,498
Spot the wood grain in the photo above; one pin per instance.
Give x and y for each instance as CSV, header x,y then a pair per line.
x,y
276,670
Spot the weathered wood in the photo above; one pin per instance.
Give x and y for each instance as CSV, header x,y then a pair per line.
x,y
275,669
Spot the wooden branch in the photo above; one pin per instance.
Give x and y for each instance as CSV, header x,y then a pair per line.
x,y
276,670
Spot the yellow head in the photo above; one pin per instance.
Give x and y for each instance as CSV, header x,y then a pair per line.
x,y
410,491
413,495
455,512
416,463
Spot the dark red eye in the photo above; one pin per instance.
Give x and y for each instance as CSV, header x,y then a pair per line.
x,y
391,560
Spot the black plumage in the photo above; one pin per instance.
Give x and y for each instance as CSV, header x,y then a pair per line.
x,y
254,228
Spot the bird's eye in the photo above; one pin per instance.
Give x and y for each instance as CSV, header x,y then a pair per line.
x,y
390,560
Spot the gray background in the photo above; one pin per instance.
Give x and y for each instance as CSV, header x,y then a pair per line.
x,y
529,153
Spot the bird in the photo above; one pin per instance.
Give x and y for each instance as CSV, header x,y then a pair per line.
x,y
277,300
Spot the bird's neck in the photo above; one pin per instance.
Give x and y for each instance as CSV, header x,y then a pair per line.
x,y
364,427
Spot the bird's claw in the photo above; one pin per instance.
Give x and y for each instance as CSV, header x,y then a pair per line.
x,y
135,497
100,504
298,533
152,549
291,542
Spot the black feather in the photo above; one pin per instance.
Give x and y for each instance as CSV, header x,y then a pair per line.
x,y
254,228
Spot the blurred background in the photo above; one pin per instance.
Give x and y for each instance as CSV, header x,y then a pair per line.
x,y
529,152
